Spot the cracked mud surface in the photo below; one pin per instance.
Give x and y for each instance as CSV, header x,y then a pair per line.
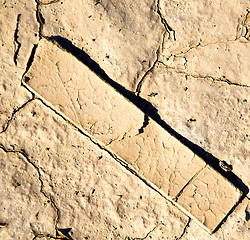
x,y
124,120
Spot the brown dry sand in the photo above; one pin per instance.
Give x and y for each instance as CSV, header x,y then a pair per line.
x,y
124,119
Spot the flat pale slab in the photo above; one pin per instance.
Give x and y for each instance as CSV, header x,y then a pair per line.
x,y
73,89
209,198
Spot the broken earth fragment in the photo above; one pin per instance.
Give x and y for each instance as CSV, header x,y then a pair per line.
x,y
158,157
209,198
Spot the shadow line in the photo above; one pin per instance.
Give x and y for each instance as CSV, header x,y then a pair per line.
x,y
148,109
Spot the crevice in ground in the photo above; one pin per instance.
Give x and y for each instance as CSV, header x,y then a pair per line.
x,y
139,85
39,18
17,44
199,76
147,234
49,197
145,124
168,29
15,110
185,229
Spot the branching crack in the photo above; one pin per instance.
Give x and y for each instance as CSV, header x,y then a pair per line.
x,y
17,44
168,29
49,197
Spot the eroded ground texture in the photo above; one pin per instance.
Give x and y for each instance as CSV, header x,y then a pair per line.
x,y
124,119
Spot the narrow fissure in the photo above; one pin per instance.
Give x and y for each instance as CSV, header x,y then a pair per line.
x,y
168,29
139,85
17,44
145,124
185,229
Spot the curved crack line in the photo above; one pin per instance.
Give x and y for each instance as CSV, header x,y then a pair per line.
x,y
48,3
168,29
141,238
39,19
198,76
15,110
185,229
49,197
139,85
17,44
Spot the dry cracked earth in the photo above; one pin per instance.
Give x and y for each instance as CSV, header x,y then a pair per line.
x,y
124,119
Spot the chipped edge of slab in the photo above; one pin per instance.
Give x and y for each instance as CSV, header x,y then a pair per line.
x,y
131,169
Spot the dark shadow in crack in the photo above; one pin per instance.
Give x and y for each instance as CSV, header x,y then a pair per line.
x,y
147,108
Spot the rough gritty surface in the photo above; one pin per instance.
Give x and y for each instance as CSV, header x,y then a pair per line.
x,y
91,192
188,59
107,116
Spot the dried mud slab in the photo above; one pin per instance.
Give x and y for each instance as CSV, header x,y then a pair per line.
x,y
149,149
236,226
110,118
212,114
122,36
93,194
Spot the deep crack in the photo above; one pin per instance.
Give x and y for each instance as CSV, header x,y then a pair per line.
x,y
17,44
168,29
145,124
39,19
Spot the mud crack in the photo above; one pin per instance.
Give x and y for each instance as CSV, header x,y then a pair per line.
x,y
198,76
15,110
50,198
139,85
140,238
185,229
190,180
145,124
168,29
17,44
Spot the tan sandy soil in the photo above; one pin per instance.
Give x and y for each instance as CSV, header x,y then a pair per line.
x,y
124,119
